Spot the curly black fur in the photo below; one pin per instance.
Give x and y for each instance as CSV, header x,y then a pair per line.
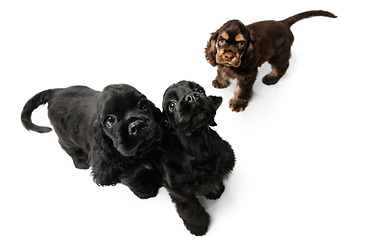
x,y
115,131
199,159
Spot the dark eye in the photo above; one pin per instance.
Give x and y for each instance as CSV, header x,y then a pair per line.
x,y
222,42
109,121
200,91
143,105
241,44
172,106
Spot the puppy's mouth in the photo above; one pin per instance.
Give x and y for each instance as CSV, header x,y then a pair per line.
x,y
228,58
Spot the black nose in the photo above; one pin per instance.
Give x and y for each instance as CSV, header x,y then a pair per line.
x,y
136,127
192,97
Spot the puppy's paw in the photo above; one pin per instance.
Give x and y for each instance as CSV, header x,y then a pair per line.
x,y
216,195
220,84
147,193
270,80
82,165
238,104
141,186
81,162
199,225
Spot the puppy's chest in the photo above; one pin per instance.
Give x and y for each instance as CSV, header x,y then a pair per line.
x,y
232,73
185,170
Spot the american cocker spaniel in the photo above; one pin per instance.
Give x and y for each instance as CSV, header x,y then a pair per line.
x,y
199,159
115,131
238,50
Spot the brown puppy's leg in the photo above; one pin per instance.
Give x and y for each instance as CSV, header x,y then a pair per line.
x,y
279,65
243,94
222,79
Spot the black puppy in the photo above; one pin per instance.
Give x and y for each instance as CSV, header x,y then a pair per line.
x,y
114,131
199,159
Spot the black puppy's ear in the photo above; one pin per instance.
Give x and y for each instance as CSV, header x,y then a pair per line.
x,y
216,101
105,170
210,50
157,115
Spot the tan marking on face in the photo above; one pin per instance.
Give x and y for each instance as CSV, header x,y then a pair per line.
x,y
239,37
225,35
235,62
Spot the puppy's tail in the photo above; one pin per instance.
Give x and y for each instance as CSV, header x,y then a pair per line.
x,y
33,103
291,20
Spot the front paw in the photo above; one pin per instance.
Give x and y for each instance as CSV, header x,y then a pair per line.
x,y
199,225
220,84
216,195
142,189
238,104
146,193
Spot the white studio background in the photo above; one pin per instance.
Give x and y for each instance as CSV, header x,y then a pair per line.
x,y
309,150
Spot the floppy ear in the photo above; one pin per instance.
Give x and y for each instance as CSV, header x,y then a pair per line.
x,y
252,54
157,115
216,101
105,169
210,50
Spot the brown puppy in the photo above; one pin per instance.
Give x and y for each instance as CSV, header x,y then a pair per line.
x,y
238,50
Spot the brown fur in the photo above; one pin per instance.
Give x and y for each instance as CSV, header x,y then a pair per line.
x,y
239,57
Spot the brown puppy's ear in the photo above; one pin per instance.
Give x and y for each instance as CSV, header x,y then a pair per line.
x,y
210,50
252,41
251,56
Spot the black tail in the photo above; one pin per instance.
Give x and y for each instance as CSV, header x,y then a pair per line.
x,y
291,20
33,103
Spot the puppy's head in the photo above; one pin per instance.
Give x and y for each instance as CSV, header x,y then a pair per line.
x,y
128,119
229,44
188,108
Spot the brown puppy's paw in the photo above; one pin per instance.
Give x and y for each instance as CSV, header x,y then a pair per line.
x,y
237,104
220,84
270,80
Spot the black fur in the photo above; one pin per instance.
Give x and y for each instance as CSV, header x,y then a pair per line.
x,y
199,159
115,131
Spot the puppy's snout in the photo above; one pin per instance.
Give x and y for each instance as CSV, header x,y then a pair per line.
x,y
228,56
136,127
192,97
